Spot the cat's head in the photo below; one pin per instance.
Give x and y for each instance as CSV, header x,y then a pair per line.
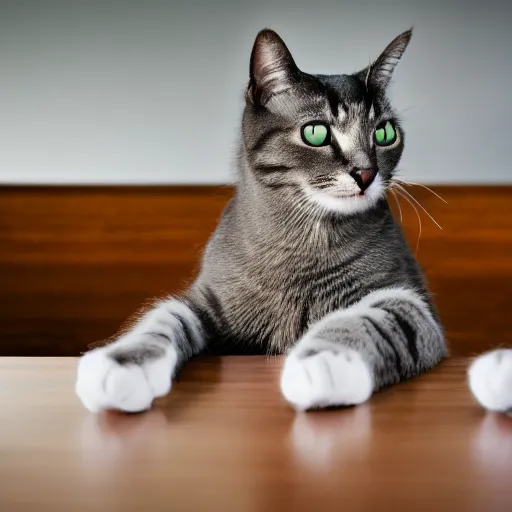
x,y
332,141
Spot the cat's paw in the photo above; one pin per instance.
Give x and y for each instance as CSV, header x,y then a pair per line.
x,y
125,378
490,380
320,374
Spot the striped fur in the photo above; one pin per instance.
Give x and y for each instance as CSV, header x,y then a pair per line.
x,y
305,261
392,329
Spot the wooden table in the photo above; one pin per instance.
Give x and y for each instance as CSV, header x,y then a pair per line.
x,y
225,440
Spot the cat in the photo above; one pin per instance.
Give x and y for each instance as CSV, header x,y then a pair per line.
x,y
307,259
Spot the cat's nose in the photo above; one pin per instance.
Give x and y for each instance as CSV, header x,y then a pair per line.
x,y
363,177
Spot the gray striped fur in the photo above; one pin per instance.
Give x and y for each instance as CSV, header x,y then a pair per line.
x,y
169,323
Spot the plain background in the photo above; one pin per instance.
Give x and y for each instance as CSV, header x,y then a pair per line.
x,y
152,91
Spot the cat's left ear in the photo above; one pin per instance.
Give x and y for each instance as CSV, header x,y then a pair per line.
x,y
378,75
272,68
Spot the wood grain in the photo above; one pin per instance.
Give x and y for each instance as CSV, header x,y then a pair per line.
x,y
76,262
224,440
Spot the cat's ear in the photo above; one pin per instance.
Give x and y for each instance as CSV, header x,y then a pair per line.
x,y
272,68
378,75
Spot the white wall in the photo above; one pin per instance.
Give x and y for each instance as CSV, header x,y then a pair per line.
x,y
151,91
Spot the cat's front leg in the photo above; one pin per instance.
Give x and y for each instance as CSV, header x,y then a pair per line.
x,y
388,336
128,374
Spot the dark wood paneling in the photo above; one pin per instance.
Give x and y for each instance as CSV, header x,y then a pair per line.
x,y
75,262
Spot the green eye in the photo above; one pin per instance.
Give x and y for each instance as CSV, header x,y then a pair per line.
x,y
316,134
385,134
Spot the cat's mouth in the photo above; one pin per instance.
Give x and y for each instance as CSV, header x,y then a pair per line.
x,y
346,196
340,194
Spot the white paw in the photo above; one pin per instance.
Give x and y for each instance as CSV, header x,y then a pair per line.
x,y
319,374
103,383
490,380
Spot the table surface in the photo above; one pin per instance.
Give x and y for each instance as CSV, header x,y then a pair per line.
x,y
225,440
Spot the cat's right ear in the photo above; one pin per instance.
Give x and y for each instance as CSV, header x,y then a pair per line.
x,y
272,68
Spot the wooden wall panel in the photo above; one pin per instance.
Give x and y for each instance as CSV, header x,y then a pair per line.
x,y
75,262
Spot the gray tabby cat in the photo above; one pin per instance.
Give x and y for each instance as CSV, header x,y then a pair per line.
x,y
307,259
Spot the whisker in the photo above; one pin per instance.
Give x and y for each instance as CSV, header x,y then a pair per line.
x,y
419,219
419,204
397,203
425,187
